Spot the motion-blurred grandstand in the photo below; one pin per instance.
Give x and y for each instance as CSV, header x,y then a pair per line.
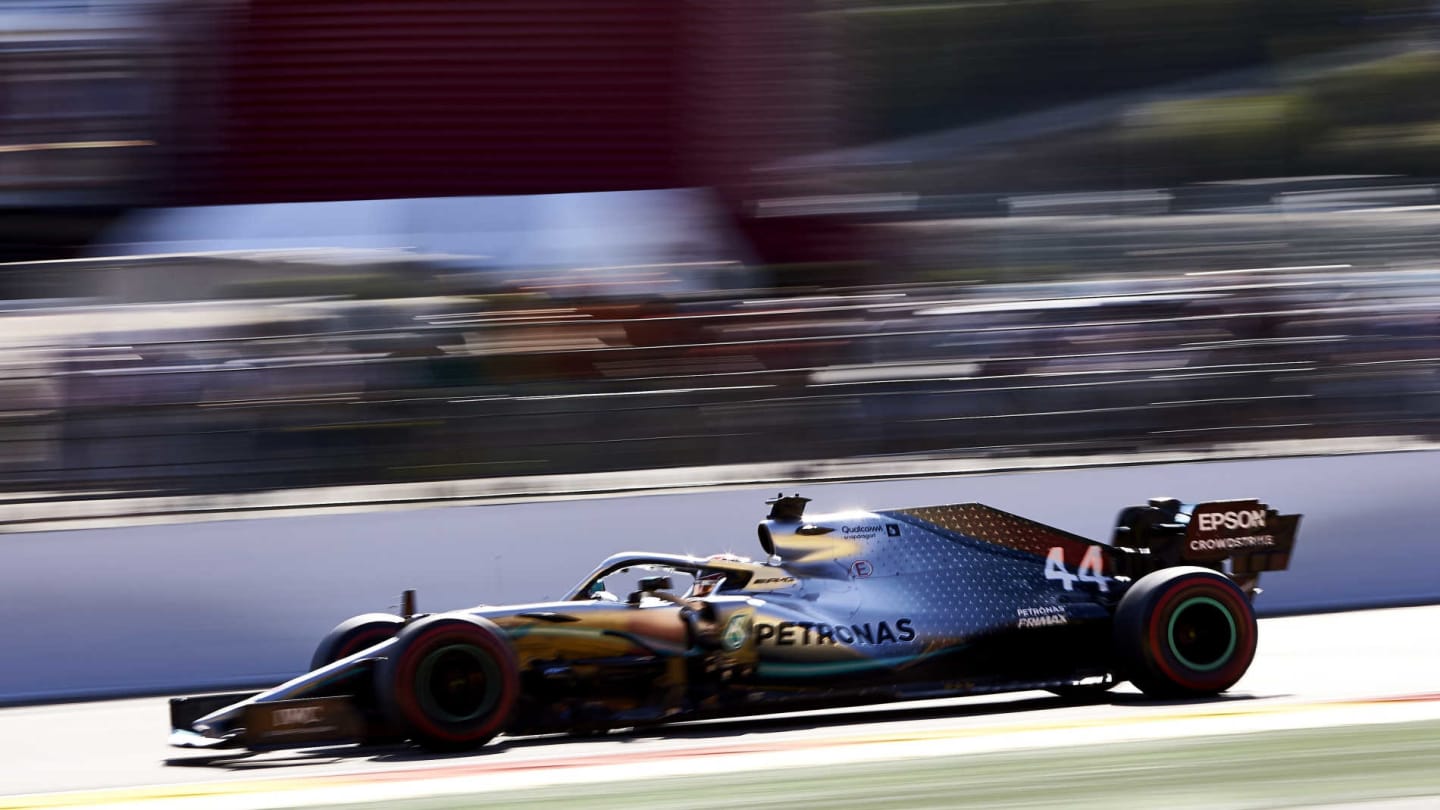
x,y
292,242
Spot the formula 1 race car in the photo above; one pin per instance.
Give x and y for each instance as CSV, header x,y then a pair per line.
x,y
847,608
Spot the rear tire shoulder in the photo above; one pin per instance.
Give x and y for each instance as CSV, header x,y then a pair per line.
x,y
1169,609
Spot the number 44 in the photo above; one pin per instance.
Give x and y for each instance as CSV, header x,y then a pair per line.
x,y
1089,570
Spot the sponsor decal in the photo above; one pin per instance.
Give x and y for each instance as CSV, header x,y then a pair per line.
x,y
1232,520
737,632
861,569
297,716
1232,543
810,634
306,720
773,581
1043,616
1222,528
892,529
1091,569
863,529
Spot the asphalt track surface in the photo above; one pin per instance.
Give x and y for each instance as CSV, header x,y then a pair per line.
x,y
1311,672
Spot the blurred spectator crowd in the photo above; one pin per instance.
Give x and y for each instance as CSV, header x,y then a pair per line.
x,y
954,229
291,387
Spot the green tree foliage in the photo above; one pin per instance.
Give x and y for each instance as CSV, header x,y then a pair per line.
x,y
912,67
1412,149
1214,138
1381,116
1402,88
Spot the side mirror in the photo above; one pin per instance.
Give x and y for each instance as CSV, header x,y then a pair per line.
x,y
653,584
650,585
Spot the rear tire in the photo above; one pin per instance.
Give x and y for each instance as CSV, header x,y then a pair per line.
x,y
1184,632
450,683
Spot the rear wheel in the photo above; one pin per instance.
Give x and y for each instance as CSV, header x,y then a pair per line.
x,y
450,683
1185,632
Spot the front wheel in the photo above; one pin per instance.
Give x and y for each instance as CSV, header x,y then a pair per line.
x,y
450,683
1184,632
350,637
353,635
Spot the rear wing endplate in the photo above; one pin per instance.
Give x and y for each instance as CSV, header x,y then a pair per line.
x,y
1249,533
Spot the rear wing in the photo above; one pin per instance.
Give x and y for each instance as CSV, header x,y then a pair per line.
x,y
1239,537
1250,534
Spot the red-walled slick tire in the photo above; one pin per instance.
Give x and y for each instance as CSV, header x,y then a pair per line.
x,y
353,635
1184,632
450,683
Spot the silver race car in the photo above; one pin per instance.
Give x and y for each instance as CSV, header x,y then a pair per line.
x,y
845,608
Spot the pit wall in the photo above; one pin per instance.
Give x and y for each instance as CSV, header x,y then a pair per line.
x,y
147,609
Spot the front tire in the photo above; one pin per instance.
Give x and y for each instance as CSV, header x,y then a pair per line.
x,y
353,635
1184,632
450,683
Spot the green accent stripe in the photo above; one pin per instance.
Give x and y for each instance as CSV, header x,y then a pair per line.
x,y
1229,649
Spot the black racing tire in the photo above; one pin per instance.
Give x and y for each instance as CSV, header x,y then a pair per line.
x,y
450,683
353,635
1184,632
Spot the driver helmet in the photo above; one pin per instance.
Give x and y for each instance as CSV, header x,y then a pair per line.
x,y
707,584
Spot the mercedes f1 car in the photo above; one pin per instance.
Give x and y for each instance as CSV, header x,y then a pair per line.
x,y
845,608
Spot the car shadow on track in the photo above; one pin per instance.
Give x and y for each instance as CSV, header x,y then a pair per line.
x,y
714,729
733,727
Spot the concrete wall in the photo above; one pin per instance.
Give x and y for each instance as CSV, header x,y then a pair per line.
x,y
234,602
